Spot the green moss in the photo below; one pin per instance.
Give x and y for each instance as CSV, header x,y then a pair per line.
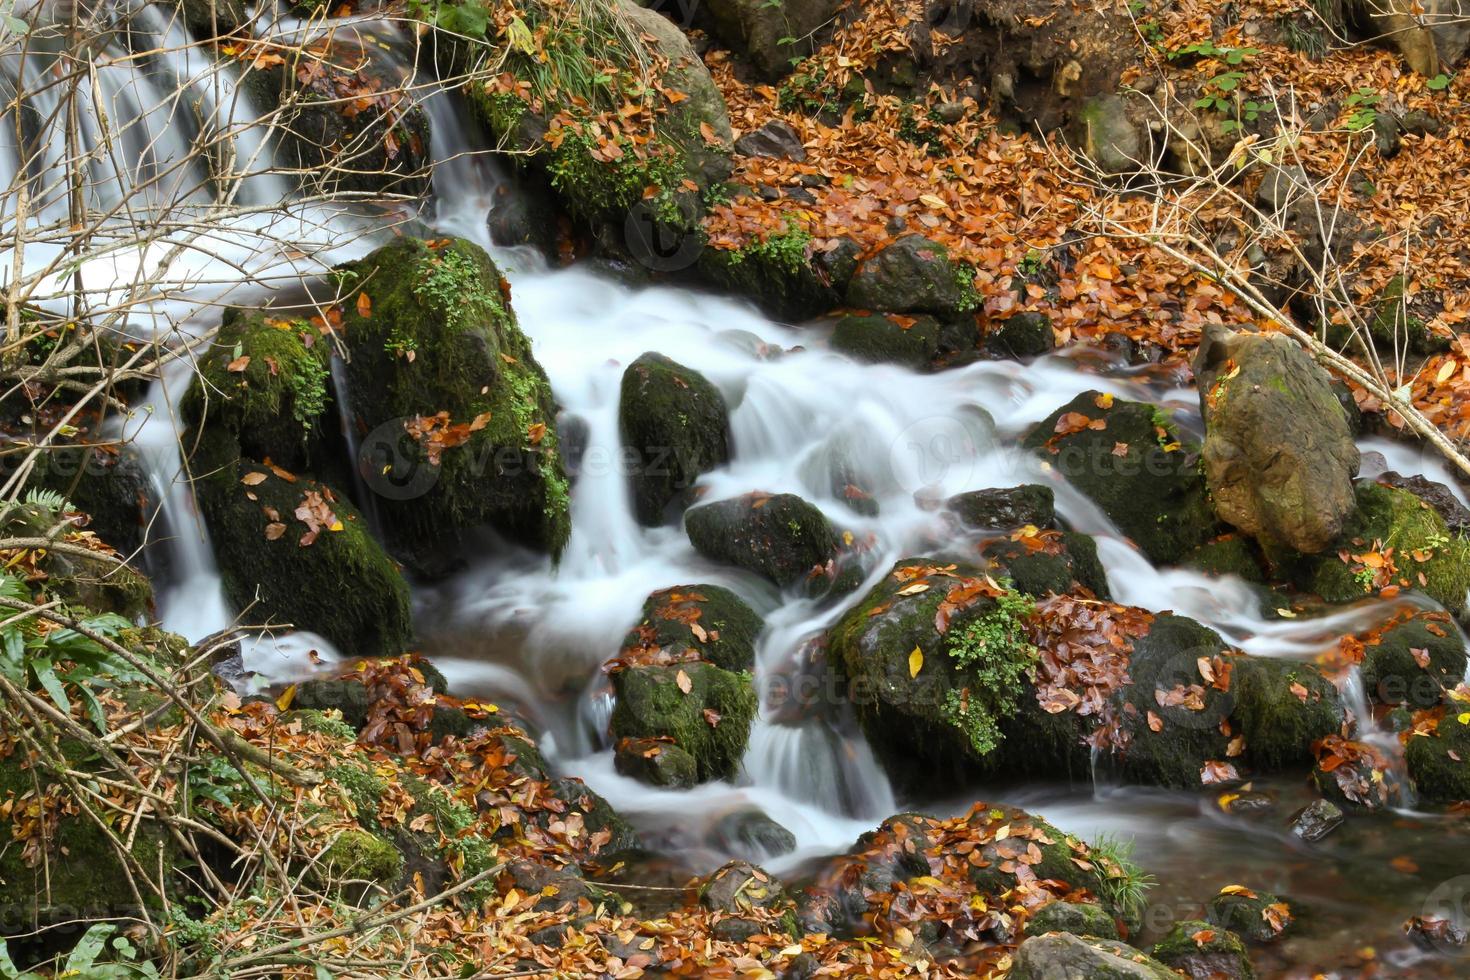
x,y
327,723
992,652
1228,555
729,625
651,703
1073,917
1218,950
677,424
1388,517
879,340
363,789
1439,763
1392,671
1280,723
356,855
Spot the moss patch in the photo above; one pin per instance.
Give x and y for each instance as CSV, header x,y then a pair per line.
x,y
652,703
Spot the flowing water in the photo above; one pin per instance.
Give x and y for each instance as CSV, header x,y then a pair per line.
x,y
514,628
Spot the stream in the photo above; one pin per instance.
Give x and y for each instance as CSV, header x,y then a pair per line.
x,y
531,636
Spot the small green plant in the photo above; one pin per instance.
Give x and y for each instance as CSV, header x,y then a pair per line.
x,y
87,959
308,384
1438,83
785,250
451,282
400,344
1124,885
994,655
1363,106
1221,94
1202,50
218,780
1032,265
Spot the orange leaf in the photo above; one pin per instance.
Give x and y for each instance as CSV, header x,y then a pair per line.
x,y
364,306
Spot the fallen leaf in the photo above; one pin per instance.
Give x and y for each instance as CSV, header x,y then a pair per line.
x,y
685,684
916,661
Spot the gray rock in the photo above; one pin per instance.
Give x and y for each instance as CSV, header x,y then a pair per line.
x,y
1316,820
911,275
678,425
1063,956
1073,917
776,139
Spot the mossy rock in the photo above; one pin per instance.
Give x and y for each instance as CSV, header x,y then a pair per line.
x,y
887,340
110,484
1281,708
912,275
447,306
1061,954
103,588
711,721
1257,917
277,397
341,585
209,19
1069,560
359,856
781,538
1006,508
776,273
1415,661
729,626
1075,917
1230,554
678,427
1439,763
1152,490
1388,517
1394,328
656,763
1022,335
1199,949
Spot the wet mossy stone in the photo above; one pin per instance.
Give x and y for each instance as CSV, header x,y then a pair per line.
x,y
1230,554
1022,335
729,626
656,762
711,721
1136,467
446,305
1063,955
1439,763
1005,508
209,19
769,37
740,886
597,814
265,381
776,273
1078,918
923,720
886,340
341,585
1281,708
1199,949
1252,915
109,484
1058,568
912,275
1388,517
1415,661
780,537
677,425
359,856
753,835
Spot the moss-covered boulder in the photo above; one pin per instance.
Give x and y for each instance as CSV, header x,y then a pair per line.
x,y
931,699
657,762
705,710
1413,660
1074,917
110,484
677,426
779,271
357,856
1257,917
1425,555
1282,707
1200,949
780,537
1439,760
459,415
1042,563
1134,464
1279,456
912,275
1061,954
293,550
1020,336
911,342
770,37
1229,554
1005,508
266,381
696,622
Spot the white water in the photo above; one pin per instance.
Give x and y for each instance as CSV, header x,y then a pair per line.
x,y
516,628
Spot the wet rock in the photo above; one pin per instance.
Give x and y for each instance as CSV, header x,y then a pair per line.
x,y
781,538
1073,917
912,275
657,762
208,19
1439,761
1230,554
1202,951
769,36
459,416
911,342
696,622
1062,955
525,213
1279,458
1257,917
1042,563
677,424
1316,820
1022,335
704,710
1281,709
1436,934
753,835
1002,509
1358,775
1414,661
1133,463
1456,515
109,484
741,887
776,139
1247,804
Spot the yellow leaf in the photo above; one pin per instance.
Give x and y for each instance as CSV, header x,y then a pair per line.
x,y
1104,400
1463,718
336,526
284,701
916,662
932,200
915,589
1446,370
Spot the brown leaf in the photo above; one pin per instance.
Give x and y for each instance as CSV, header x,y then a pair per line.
x,y
364,306
274,530
254,479
239,364
685,684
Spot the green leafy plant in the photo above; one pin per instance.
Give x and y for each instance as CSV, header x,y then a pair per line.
x,y
994,655
1364,109
1438,83
1210,50
87,960
60,659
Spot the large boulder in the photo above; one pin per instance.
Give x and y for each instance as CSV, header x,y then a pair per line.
x,y
459,416
1131,460
1041,563
677,426
1063,956
912,275
911,342
781,538
695,622
771,36
701,709
1279,457
1439,758
1005,508
1413,660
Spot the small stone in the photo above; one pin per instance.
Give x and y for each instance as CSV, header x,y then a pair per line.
x,y
1316,820
775,140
